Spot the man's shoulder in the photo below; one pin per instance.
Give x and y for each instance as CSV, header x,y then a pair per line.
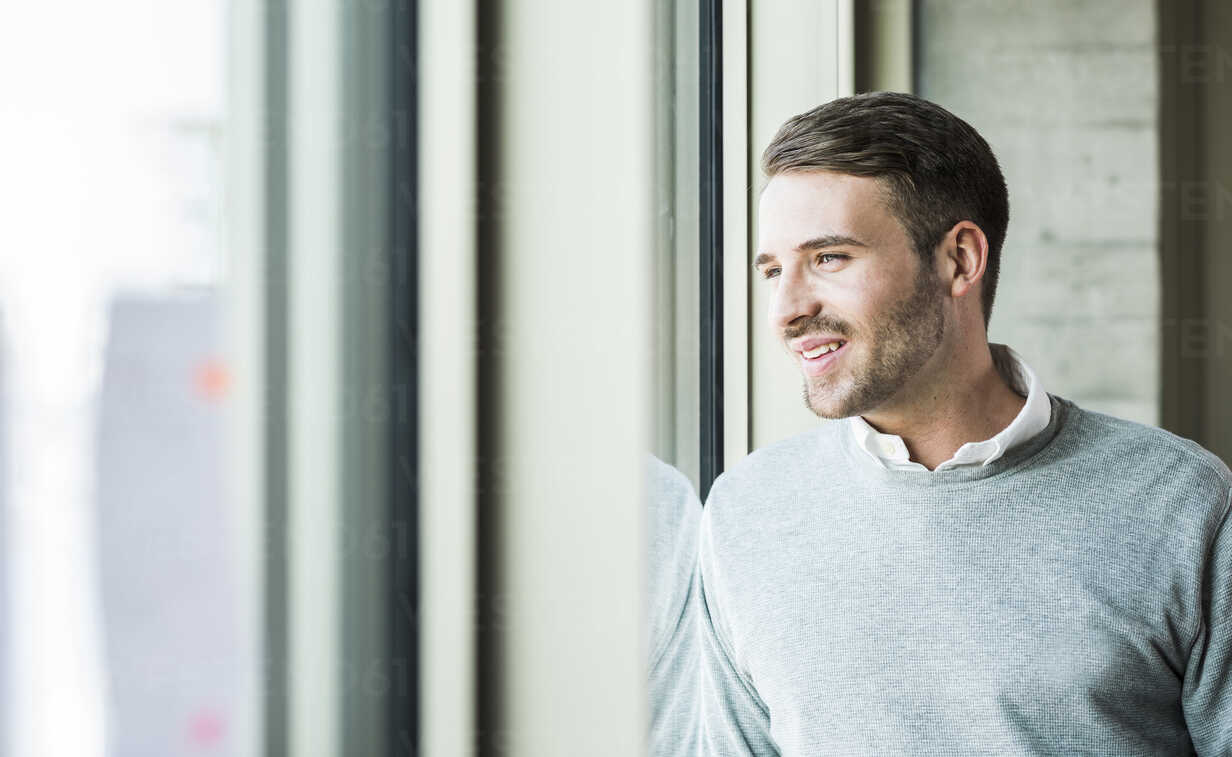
x,y
667,480
1137,450
786,456
768,476
673,504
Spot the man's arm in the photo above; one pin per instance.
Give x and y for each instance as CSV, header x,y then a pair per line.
x,y
734,720
673,517
1207,693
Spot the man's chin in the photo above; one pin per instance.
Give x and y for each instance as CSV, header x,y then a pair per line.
x,y
832,415
829,407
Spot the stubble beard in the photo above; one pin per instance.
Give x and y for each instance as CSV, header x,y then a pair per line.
x,y
899,345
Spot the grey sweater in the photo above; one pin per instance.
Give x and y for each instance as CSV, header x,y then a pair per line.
x,y
1072,597
673,514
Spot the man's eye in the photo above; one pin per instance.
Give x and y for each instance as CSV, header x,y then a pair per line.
x,y
773,272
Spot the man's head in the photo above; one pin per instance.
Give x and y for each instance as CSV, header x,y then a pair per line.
x,y
882,216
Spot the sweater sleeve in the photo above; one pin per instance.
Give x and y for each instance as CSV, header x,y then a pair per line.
x,y
1207,690
673,515
734,720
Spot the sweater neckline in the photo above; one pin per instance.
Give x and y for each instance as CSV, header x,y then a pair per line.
x,y
865,467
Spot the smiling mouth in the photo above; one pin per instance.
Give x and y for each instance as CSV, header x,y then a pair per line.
x,y
819,359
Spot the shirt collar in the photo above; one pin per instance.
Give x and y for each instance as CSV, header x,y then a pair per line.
x,y
890,451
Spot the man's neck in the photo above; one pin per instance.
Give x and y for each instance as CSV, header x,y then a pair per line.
x,y
967,407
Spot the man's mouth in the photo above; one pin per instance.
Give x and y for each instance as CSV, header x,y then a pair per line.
x,y
819,359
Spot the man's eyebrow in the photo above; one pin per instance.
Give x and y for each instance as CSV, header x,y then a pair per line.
x,y
816,243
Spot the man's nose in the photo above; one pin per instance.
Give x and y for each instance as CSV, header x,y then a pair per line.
x,y
794,297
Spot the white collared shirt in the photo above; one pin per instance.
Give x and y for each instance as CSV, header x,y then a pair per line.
x,y
891,452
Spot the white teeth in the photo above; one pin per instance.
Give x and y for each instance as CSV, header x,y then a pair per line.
x,y
823,349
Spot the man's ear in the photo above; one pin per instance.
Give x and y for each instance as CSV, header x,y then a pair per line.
x,y
964,257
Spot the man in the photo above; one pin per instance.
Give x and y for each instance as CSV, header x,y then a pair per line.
x,y
965,563
672,674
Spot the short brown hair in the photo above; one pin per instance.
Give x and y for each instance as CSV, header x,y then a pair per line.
x,y
937,170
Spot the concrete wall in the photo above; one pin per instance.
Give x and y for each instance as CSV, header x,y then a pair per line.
x,y
1065,92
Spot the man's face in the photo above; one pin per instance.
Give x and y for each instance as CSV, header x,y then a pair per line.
x,y
840,265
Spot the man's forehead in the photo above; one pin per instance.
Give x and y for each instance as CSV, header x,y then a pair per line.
x,y
821,190
798,208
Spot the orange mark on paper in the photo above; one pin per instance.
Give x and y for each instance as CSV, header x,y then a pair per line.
x,y
212,379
